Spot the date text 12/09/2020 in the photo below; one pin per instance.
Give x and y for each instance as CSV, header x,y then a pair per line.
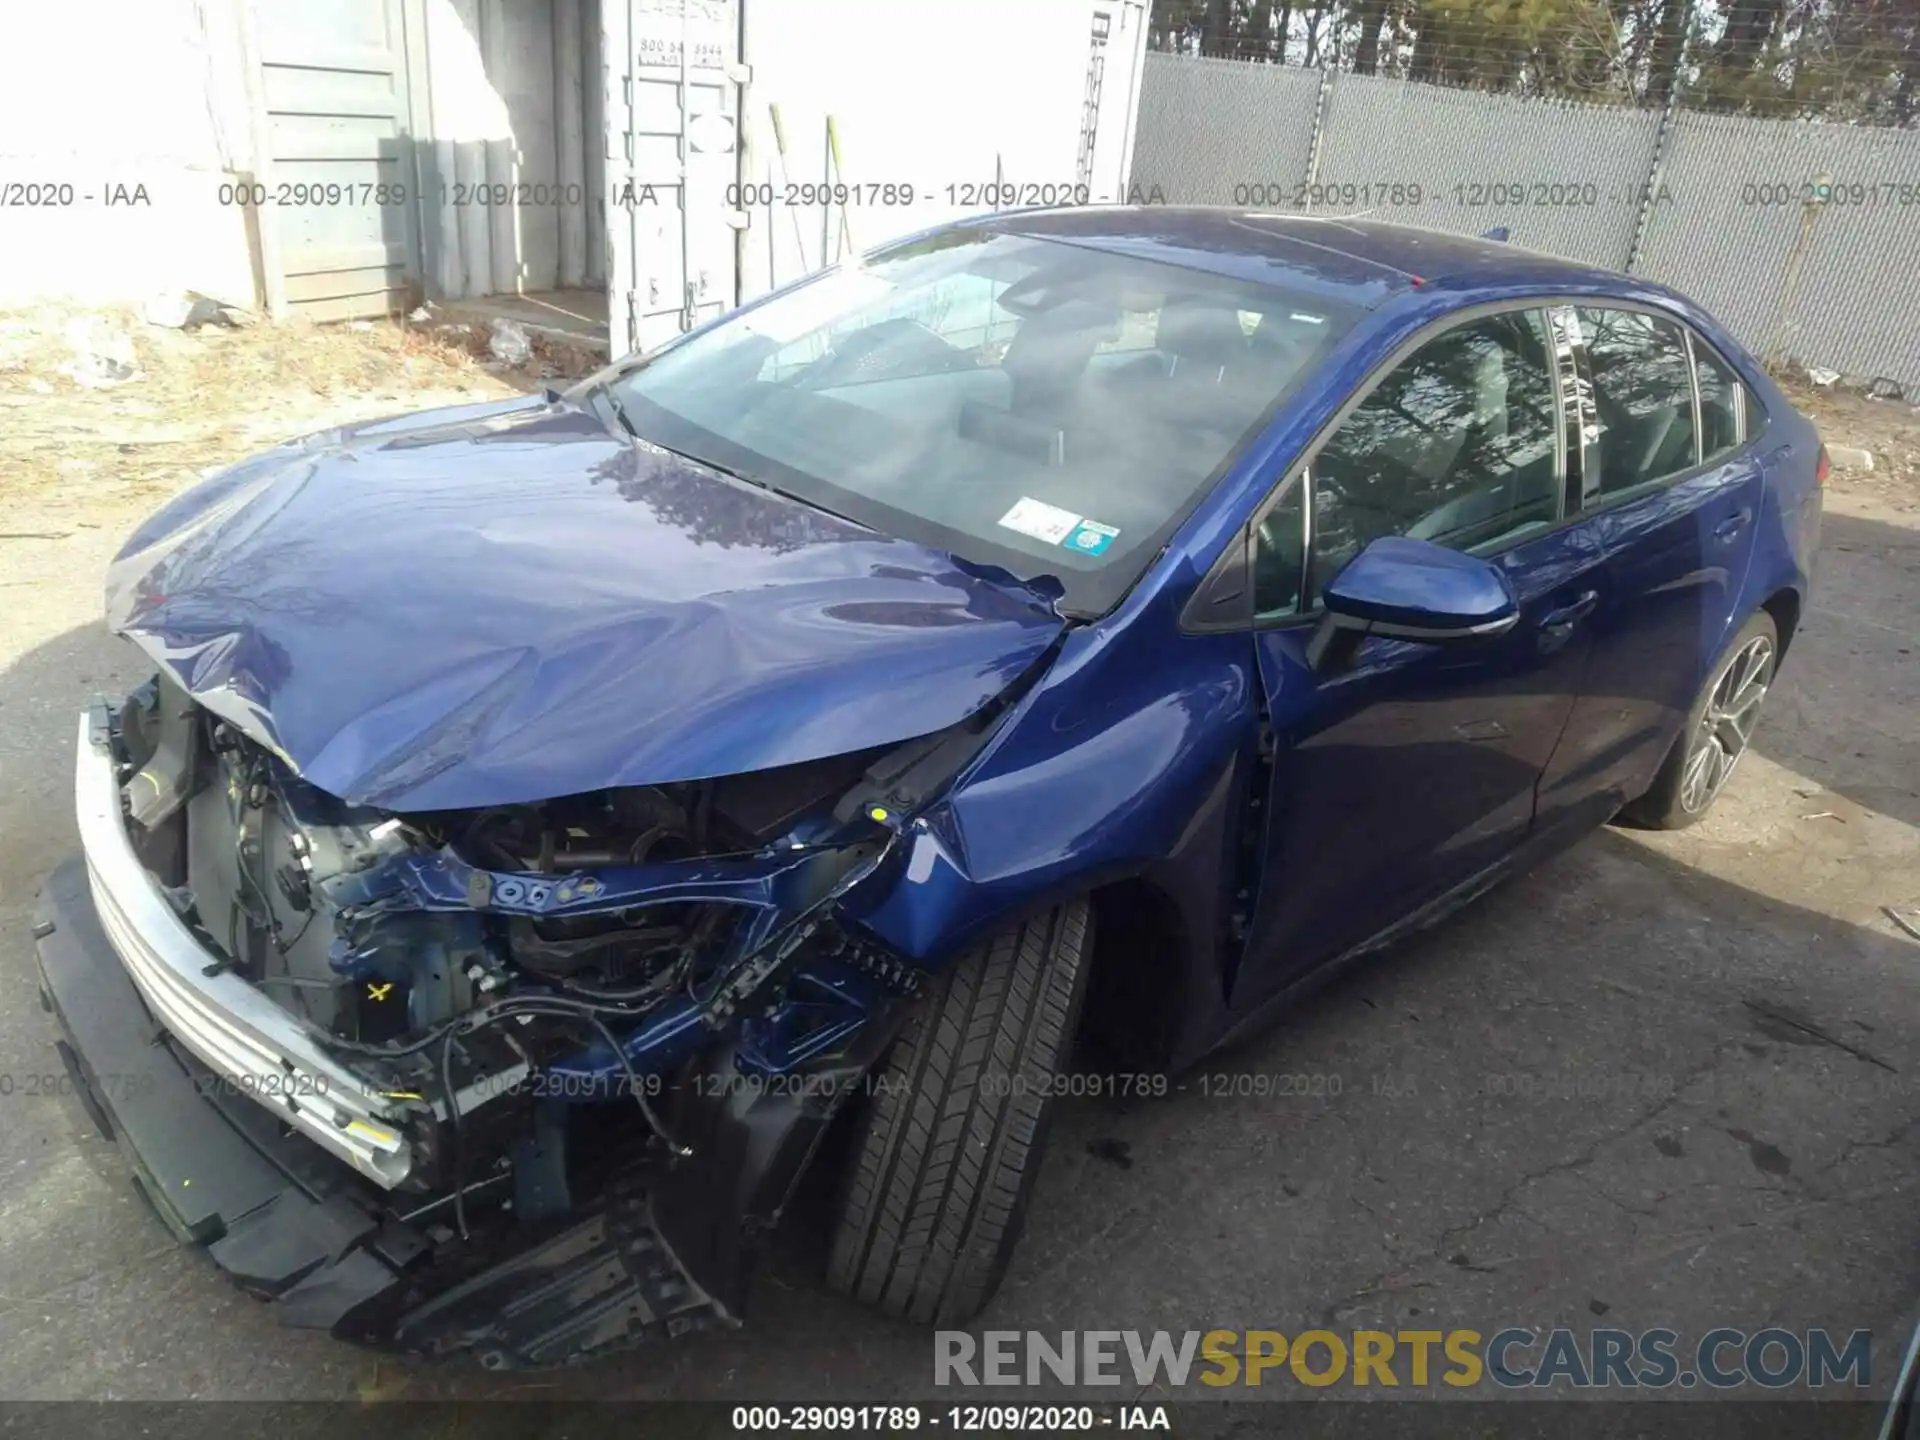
x,y
966,195
875,194
961,1419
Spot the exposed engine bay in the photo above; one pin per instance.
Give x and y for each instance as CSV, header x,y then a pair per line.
x,y
276,874
574,1054
481,967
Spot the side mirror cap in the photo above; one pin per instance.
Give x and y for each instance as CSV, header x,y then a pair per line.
x,y
1406,589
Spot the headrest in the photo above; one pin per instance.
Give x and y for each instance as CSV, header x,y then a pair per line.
x,y
1053,346
1200,330
1274,341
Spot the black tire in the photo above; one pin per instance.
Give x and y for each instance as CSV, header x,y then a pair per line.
x,y
944,1161
1664,805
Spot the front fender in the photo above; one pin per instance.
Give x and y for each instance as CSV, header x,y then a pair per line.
x,y
1100,773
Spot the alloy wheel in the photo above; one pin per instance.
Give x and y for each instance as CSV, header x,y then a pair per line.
x,y
1726,726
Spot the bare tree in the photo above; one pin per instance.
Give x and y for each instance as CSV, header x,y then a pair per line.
x,y
1370,15
1852,60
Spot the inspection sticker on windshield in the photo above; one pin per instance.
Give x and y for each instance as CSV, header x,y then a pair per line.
x,y
1090,537
1040,520
1058,527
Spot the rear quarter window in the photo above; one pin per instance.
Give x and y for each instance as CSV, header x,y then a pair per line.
x,y
1721,391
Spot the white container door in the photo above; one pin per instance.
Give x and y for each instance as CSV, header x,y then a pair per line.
x,y
338,90
672,138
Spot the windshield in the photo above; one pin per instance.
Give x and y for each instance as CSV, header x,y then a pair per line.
x,y
1032,404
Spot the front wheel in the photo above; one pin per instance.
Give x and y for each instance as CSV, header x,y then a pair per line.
x,y
948,1148
1718,730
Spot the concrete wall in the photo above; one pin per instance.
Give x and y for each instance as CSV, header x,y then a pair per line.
x,y
142,94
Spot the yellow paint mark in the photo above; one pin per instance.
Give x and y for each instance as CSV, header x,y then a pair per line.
x,y
878,813
400,1095
383,1384
379,992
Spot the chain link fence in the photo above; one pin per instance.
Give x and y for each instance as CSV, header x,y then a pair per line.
x,y
1802,237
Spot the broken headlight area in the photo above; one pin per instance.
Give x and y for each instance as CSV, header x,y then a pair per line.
x,y
477,969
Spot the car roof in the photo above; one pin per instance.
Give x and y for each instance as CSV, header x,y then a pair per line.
x,y
1361,261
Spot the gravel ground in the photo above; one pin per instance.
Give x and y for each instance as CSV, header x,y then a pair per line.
x,y
1667,1080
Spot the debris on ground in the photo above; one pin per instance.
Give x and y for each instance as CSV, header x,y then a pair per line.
x,y
1850,457
1889,433
185,310
98,408
1822,377
509,343
101,354
1907,917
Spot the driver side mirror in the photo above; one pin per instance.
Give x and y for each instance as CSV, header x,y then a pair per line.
x,y
1407,589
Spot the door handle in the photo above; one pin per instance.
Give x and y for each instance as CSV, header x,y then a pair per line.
x,y
1567,614
1731,526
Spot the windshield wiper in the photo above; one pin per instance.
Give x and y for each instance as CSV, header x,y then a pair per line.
x,y
626,422
611,396
769,487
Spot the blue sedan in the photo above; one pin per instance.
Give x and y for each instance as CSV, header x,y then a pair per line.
x,y
549,819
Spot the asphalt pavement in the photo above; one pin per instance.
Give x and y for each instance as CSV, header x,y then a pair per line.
x,y
1668,1081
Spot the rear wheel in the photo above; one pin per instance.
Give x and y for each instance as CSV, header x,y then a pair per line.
x,y
944,1163
1717,733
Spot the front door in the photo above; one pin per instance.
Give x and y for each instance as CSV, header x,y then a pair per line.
x,y
1408,772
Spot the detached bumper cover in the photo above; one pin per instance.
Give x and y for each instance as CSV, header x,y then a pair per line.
x,y
239,1034
217,1168
292,1223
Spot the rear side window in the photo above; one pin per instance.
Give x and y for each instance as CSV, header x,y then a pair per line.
x,y
1720,390
1642,398
1455,446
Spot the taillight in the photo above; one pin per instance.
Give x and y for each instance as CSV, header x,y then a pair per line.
x,y
1821,467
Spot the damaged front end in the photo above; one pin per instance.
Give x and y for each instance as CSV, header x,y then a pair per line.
x,y
537,1075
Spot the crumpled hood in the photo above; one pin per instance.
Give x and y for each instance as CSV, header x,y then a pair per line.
x,y
503,603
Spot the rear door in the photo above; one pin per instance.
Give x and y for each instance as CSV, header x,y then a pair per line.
x,y
1673,483
1407,774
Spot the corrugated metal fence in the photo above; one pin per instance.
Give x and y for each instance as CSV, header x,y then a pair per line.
x,y
1714,205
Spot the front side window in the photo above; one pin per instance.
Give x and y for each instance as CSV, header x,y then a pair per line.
x,y
1047,407
1456,445
1642,398
1279,555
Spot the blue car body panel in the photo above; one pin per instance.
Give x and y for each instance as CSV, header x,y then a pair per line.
x,y
507,603
513,604
1173,718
